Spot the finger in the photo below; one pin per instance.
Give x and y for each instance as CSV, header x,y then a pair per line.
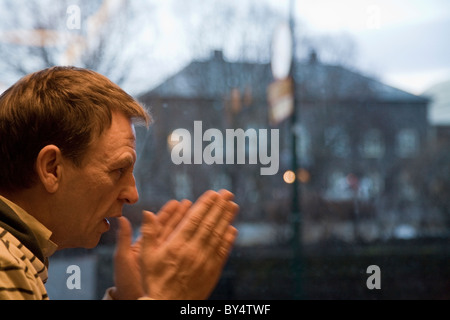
x,y
167,211
149,231
216,216
176,217
227,195
195,215
124,235
224,250
223,224
169,217
230,236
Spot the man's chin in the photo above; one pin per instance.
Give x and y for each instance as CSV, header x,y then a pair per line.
x,y
92,244
92,241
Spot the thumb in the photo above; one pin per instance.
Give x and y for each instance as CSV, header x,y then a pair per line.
x,y
149,231
124,235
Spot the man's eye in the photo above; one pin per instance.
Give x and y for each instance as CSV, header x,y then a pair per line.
x,y
119,172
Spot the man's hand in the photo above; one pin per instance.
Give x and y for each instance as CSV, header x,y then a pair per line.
x,y
127,273
187,262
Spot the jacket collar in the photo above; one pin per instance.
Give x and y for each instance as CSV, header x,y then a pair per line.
x,y
11,222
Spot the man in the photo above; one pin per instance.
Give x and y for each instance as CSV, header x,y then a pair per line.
x,y
67,152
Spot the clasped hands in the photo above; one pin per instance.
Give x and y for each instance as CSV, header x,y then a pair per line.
x,y
181,251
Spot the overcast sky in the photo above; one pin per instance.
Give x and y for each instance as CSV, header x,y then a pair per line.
x,y
404,42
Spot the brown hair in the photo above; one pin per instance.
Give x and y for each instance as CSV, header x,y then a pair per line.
x,y
63,106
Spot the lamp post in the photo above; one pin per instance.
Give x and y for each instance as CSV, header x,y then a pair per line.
x,y
284,105
296,197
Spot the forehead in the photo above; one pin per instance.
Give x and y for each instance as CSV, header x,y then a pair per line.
x,y
119,138
121,129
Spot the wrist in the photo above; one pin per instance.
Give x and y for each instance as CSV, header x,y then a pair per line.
x,y
145,298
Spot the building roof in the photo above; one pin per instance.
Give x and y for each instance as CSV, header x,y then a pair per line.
x,y
215,77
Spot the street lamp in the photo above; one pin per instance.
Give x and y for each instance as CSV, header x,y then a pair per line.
x,y
289,176
284,105
296,216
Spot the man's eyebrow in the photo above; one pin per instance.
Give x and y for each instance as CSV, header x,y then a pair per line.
x,y
127,161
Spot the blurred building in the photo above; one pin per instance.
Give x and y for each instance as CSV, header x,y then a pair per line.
x,y
357,139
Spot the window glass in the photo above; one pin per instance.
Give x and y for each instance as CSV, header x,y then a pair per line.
x,y
372,144
341,168
407,142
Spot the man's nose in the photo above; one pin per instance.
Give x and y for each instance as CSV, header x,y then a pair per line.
x,y
130,194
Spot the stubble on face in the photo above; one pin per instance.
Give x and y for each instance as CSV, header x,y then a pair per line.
x,y
105,182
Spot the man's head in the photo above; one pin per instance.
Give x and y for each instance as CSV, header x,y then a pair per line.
x,y
67,135
64,106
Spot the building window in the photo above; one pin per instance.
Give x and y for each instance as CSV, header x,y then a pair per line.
x,y
338,142
371,186
338,187
373,144
407,143
406,188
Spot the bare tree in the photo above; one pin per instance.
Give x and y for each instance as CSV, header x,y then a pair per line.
x,y
242,30
102,35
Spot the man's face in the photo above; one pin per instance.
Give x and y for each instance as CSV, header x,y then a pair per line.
x,y
101,187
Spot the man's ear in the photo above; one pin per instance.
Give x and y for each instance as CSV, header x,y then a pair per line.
x,y
49,167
